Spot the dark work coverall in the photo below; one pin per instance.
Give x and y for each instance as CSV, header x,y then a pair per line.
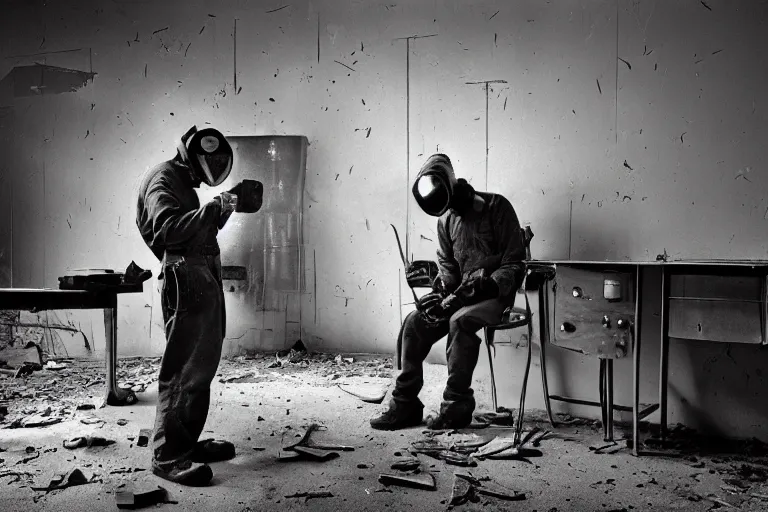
x,y
183,236
464,242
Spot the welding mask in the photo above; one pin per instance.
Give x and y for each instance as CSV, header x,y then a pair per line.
x,y
208,154
437,190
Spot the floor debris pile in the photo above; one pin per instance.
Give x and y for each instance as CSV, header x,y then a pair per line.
x,y
335,461
59,389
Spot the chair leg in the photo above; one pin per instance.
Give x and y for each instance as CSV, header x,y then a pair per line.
x,y
400,347
521,409
489,334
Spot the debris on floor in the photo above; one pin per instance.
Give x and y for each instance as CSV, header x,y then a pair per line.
x,y
87,441
312,494
144,435
62,481
369,394
141,497
486,486
43,395
311,451
406,464
424,481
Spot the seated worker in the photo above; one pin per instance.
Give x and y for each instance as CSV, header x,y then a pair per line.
x,y
480,259
182,234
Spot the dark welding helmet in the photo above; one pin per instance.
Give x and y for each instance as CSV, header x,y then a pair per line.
x,y
208,154
434,185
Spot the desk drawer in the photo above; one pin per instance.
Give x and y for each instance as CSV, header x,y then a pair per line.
x,y
580,307
729,321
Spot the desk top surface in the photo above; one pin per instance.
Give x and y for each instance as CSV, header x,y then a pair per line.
x,y
133,288
682,263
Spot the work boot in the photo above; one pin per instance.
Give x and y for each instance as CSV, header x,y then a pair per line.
x,y
399,416
209,450
453,415
184,472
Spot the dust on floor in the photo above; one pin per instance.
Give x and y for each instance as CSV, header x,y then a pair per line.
x,y
264,403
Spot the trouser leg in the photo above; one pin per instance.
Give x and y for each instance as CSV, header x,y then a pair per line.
x,y
462,351
418,338
191,358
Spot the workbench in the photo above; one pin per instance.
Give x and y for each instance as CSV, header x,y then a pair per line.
x,y
597,310
37,299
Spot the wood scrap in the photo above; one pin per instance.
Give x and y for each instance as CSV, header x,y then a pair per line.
x,y
424,481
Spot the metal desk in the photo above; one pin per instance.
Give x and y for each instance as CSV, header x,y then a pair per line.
x,y
35,299
722,301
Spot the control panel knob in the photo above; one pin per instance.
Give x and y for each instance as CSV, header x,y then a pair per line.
x,y
622,323
577,292
606,322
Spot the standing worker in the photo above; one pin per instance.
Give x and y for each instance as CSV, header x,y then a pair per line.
x,y
182,235
480,259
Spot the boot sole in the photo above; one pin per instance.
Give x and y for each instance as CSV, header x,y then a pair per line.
x,y
397,427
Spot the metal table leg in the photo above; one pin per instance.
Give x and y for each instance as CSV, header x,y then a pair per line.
x,y
115,395
609,399
636,363
664,355
543,340
603,408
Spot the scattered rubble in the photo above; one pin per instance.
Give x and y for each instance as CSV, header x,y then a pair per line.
x,y
406,464
311,451
62,481
309,495
45,395
144,435
424,481
373,395
87,441
142,497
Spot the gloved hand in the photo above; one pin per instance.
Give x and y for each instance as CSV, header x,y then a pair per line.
x,y
421,273
429,306
452,303
228,204
477,289
250,194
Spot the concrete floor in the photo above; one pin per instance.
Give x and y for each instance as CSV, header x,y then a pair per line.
x,y
567,477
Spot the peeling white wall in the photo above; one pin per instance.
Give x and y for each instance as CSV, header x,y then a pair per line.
x,y
688,119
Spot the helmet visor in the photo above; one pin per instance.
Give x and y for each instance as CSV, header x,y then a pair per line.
x,y
432,194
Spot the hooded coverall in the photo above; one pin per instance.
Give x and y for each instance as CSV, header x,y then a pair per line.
x,y
182,234
465,242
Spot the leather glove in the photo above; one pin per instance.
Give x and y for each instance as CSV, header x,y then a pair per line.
x,y
228,204
451,304
421,273
250,195
429,306
477,289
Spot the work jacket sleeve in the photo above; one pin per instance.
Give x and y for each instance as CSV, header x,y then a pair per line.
x,y
511,245
450,272
170,225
